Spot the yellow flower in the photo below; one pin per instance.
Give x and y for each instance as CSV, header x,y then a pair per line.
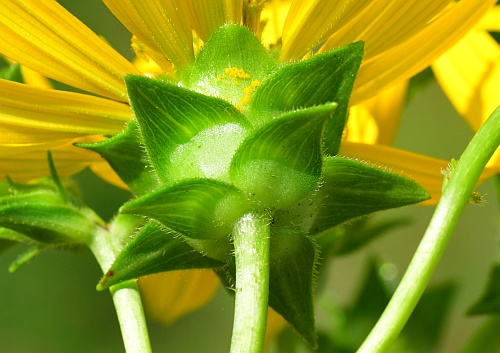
x,y
402,37
469,73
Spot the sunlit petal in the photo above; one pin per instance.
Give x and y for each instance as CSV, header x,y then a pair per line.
x,y
426,171
16,139
158,24
206,16
361,126
469,74
103,170
387,109
43,36
33,78
308,21
416,53
68,160
383,24
152,57
274,16
27,106
170,295
491,21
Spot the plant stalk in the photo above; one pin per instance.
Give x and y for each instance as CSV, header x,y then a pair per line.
x,y
126,297
251,245
453,201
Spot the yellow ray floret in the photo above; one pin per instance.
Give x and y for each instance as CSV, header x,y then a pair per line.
x,y
384,24
206,16
32,165
308,21
426,171
413,55
170,295
38,108
43,36
161,25
469,74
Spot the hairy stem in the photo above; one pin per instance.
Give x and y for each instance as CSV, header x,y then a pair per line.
x,y
126,296
455,196
251,245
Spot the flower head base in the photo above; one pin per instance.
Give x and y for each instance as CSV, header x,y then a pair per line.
x,y
274,158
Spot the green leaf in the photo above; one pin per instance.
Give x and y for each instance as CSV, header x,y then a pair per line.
x,y
185,133
11,72
26,256
292,261
203,211
489,303
369,304
154,250
129,160
15,237
352,189
228,63
323,78
280,163
47,223
353,236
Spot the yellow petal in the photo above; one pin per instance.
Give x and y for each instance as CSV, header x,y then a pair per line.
x,y
206,16
387,108
39,108
150,62
33,78
13,137
160,25
309,20
68,160
416,53
43,36
274,16
423,169
376,120
385,23
469,74
361,126
171,295
491,21
103,170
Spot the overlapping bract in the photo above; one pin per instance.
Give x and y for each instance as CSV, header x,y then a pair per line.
x,y
276,163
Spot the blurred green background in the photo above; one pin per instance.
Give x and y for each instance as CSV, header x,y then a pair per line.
x,y
50,305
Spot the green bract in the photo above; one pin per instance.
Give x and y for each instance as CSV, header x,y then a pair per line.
x,y
242,134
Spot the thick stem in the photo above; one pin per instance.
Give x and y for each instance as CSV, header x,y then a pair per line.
x,y
126,297
455,197
251,245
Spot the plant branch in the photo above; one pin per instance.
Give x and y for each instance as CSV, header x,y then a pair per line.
x,y
126,296
453,201
251,245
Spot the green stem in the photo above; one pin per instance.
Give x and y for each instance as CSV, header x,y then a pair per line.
x,y
447,213
251,246
126,296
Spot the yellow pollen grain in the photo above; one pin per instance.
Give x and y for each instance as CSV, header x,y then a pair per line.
x,y
248,91
235,72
